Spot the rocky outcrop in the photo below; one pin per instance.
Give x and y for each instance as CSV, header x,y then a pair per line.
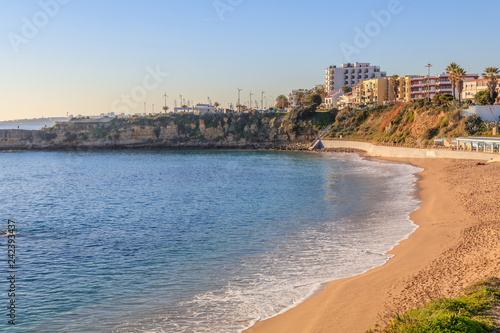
x,y
168,131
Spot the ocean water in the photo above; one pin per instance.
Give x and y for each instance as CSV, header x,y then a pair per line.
x,y
190,241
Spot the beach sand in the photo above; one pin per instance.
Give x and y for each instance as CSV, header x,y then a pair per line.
x,y
457,243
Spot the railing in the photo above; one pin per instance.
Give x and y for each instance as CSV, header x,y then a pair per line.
x,y
323,133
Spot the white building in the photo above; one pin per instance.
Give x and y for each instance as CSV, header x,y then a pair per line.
x,y
293,94
472,87
345,100
349,75
198,109
439,84
331,100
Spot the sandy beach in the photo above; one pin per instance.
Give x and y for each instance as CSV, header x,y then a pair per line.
x,y
457,244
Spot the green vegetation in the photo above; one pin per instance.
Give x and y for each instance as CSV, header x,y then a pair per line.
x,y
493,76
409,124
468,313
484,97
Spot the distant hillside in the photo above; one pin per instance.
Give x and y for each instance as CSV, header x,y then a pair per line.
x,y
407,124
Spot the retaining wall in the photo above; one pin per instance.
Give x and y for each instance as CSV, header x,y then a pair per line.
x,y
388,151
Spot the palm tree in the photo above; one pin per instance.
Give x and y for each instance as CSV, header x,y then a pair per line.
x,y
282,100
165,108
493,75
451,71
395,85
216,104
459,76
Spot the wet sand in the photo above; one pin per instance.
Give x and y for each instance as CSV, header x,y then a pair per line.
x,y
457,243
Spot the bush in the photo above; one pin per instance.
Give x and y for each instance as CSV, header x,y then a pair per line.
x,y
484,98
466,314
430,133
473,123
300,113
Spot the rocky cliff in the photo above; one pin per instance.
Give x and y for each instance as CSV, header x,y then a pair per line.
x,y
168,131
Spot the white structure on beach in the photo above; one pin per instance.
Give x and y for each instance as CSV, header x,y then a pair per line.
x,y
349,75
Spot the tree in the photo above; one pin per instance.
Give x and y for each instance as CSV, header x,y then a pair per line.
x,y
313,101
492,74
443,98
322,93
299,96
395,85
459,75
282,101
165,108
216,104
484,97
451,70
346,89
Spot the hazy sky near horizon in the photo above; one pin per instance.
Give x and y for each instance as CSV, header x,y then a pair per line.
x,y
91,57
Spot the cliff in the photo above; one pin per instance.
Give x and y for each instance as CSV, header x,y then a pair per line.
x,y
168,131
408,124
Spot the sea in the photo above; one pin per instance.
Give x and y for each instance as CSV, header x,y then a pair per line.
x,y
189,241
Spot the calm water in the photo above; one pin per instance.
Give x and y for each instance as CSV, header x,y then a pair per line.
x,y
190,241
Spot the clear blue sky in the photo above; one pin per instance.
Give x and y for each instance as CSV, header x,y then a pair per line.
x,y
86,54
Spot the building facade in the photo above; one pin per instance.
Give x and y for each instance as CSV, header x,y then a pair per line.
x,y
472,87
198,109
350,75
436,85
371,92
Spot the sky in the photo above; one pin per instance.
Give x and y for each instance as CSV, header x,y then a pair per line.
x,y
89,57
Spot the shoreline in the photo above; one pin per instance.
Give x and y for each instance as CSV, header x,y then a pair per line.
x,y
420,269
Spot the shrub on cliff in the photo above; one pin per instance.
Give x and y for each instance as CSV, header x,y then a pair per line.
x,y
300,113
473,123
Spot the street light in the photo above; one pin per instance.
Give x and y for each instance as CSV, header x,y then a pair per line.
x,y
428,82
250,104
262,101
239,104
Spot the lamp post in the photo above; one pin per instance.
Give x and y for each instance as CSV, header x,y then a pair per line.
x,y
239,104
428,82
250,103
262,101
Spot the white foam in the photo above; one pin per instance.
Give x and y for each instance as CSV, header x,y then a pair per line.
x,y
271,283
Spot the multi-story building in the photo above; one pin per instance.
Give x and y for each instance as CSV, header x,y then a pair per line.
x,y
472,87
404,89
349,75
440,84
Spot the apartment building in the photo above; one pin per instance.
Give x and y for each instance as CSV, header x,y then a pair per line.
x,y
350,75
472,87
439,84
